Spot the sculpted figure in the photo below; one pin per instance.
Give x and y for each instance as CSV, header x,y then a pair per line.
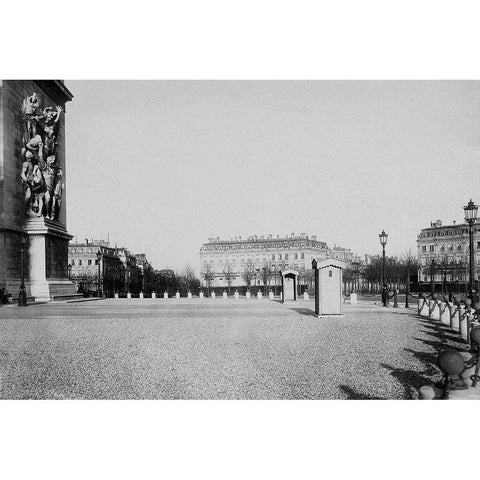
x,y
38,190
57,194
50,119
27,176
30,109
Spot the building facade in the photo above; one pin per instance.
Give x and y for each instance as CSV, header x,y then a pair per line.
x,y
444,254
98,268
223,263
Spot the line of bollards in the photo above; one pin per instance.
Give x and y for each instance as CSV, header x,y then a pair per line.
x,y
460,368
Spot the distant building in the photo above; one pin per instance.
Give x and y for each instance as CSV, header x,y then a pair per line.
x,y
443,252
96,266
147,274
227,259
339,253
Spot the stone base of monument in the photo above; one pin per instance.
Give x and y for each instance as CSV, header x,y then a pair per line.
x,y
47,250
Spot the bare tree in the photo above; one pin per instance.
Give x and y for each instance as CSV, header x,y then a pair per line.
x,y
209,276
248,273
188,277
229,275
266,274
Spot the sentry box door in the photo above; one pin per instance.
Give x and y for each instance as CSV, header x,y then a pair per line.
x,y
328,294
289,285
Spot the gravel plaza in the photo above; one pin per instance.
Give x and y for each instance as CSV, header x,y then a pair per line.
x,y
215,349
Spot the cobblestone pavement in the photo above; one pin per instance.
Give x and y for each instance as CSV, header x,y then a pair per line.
x,y
216,349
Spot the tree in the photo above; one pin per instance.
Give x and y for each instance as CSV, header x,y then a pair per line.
x,y
209,276
266,274
248,273
229,275
188,277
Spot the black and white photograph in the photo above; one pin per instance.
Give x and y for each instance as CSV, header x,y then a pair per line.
x,y
219,225
239,240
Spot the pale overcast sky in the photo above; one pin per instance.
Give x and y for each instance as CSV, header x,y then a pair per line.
x,y
163,165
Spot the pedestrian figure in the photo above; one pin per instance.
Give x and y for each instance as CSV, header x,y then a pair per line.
x,y
385,295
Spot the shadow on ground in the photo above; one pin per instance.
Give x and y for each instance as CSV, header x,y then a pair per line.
x,y
304,311
354,395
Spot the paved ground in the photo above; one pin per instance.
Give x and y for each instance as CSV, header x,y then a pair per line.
x,y
215,349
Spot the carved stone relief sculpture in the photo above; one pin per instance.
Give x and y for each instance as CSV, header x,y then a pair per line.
x,y
41,176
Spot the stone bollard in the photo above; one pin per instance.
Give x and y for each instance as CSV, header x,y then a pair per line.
x,y
189,295
236,295
423,306
469,371
353,298
270,295
154,295
165,294
141,295
225,294
429,392
177,295
116,295
259,295
454,316
281,296
129,295
434,310
247,295
306,297
201,294
213,295
445,313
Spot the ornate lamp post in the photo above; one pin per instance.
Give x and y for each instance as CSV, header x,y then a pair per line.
x,y
22,295
383,241
471,211
99,258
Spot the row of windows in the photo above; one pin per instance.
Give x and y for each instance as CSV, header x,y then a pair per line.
x,y
262,246
431,248
80,262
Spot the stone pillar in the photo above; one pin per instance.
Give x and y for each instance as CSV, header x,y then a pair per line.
x,y
270,295
46,251
177,295
213,295
259,295
129,295
445,313
141,295
154,295
247,295
189,295
225,295
116,295
201,294
434,310
236,295
353,298
454,317
165,294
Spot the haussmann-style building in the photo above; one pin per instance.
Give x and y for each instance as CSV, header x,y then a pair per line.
x,y
443,256
223,262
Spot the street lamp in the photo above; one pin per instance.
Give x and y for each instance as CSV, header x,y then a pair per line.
x,y
383,241
99,257
471,217
22,295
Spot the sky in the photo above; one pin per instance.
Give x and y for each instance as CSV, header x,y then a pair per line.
x,y
163,165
